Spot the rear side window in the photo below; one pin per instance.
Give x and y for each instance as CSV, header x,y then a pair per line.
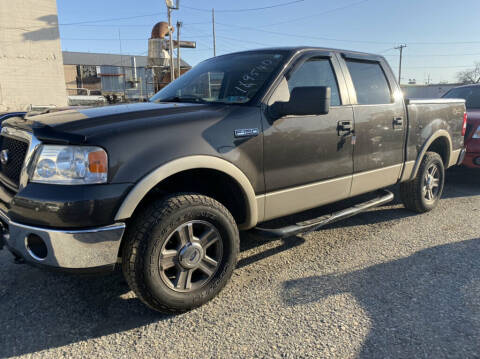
x,y
370,82
316,72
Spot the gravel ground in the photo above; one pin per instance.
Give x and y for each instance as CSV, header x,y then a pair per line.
x,y
386,283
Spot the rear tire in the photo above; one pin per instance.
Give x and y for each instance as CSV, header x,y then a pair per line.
x,y
423,193
180,252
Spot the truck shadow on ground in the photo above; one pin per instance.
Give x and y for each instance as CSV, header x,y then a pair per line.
x,y
424,305
410,301
43,309
49,310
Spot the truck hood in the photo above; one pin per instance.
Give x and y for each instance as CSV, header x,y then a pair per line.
x,y
74,126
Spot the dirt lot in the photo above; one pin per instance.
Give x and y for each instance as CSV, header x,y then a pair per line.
x,y
386,283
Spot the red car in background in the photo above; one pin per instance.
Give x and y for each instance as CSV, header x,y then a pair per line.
x,y
471,94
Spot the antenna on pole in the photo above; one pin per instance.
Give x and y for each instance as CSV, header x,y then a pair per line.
x,y
214,37
400,47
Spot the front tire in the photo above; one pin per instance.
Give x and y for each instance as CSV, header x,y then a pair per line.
x,y
180,252
423,193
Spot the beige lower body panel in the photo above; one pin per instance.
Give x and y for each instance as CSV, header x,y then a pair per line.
x,y
454,157
293,200
285,202
372,180
407,171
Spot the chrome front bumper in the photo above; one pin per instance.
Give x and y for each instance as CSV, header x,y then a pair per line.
x,y
68,249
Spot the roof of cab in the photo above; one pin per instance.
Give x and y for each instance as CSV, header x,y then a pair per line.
x,y
296,49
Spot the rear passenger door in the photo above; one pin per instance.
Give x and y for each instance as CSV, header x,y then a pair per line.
x,y
380,123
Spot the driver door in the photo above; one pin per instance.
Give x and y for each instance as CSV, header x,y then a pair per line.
x,y
307,160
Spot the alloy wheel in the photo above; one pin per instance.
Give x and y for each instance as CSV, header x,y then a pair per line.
x,y
190,256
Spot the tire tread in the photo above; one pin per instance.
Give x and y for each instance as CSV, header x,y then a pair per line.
x,y
410,192
137,239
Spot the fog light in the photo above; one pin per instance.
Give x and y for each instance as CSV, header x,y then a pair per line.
x,y
36,247
476,160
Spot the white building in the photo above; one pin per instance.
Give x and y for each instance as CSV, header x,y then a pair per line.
x,y
31,64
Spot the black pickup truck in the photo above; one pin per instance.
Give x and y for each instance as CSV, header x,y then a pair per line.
x,y
162,188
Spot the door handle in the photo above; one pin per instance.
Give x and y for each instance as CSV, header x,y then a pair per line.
x,y
344,127
398,122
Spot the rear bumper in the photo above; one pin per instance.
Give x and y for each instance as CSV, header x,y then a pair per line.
x,y
472,160
66,249
461,156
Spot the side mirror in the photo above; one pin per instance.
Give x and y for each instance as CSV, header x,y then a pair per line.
x,y
312,100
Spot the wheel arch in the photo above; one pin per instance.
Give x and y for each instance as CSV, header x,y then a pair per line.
x,y
439,142
169,169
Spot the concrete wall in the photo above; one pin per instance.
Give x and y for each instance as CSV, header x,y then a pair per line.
x,y
70,76
31,64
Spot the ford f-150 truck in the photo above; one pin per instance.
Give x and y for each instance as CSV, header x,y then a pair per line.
x,y
164,187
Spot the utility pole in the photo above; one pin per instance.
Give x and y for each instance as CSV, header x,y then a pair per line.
x,y
179,25
121,64
172,65
170,7
400,47
214,37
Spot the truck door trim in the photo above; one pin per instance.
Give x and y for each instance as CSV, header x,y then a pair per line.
x,y
293,200
367,181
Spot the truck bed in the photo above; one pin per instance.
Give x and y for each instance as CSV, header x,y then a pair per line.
x,y
428,116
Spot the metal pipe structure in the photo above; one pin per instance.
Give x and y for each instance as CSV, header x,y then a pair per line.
x,y
214,37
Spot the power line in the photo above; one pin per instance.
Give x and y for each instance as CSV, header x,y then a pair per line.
x,y
247,9
436,55
443,42
244,41
438,67
343,40
315,15
111,19
83,23
387,50
303,36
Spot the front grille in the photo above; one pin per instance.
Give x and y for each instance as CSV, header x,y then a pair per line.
x,y
17,150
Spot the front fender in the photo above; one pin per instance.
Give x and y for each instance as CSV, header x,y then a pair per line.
x,y
139,191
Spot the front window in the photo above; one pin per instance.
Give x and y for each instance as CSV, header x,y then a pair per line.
x,y
471,95
316,72
232,79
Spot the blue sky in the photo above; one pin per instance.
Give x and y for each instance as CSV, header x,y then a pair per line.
x,y
442,36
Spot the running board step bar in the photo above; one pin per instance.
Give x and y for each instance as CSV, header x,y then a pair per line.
x,y
383,197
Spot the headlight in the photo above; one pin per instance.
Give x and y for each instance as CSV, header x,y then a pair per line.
x,y
477,133
70,165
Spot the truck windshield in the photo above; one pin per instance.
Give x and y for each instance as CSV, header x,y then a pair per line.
x,y
471,95
231,79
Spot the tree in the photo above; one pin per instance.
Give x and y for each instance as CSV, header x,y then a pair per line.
x,y
470,76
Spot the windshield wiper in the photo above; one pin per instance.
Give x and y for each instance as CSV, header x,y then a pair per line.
x,y
183,99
